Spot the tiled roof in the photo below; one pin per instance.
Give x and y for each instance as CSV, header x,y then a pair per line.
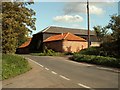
x,y
54,29
25,44
65,36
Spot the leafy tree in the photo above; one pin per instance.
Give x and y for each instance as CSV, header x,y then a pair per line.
x,y
114,25
110,42
17,23
101,32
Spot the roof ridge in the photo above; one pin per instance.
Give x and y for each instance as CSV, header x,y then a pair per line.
x,y
69,28
59,29
66,35
46,29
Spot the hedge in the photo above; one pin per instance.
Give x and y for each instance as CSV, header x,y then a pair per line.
x,y
99,60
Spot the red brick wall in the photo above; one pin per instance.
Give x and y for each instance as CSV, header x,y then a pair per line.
x,y
73,46
54,45
66,46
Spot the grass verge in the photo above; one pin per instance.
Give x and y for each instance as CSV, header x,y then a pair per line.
x,y
13,65
99,60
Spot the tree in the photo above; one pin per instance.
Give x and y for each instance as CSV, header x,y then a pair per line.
x,y
110,42
17,23
114,25
101,32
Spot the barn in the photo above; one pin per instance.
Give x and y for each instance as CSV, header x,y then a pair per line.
x,y
38,38
65,42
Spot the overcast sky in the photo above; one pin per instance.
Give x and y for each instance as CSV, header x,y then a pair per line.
x,y
72,14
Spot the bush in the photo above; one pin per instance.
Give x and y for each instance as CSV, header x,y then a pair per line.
x,y
13,65
91,51
103,50
99,60
48,52
111,49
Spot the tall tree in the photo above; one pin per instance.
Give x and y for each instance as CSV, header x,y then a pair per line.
x,y
114,25
17,22
101,32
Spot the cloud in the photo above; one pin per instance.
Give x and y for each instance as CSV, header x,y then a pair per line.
x,y
68,18
96,10
82,8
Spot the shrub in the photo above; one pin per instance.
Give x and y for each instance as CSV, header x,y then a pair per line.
x,y
91,51
48,52
111,49
103,50
13,65
100,60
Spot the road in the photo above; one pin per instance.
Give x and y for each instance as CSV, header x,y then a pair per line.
x,y
83,75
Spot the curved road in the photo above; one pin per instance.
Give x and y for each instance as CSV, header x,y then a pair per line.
x,y
84,75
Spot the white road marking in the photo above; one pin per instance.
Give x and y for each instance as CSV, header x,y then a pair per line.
x,y
84,64
103,68
64,77
41,65
84,86
35,62
53,72
46,68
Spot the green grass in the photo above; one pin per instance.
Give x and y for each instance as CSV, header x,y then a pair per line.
x,y
13,65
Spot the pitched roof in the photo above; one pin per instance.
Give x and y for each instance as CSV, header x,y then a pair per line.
x,y
54,29
25,44
65,36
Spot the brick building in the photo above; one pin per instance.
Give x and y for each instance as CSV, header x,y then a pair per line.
x,y
38,38
65,42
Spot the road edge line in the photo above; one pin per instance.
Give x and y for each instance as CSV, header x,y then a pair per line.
x,y
35,62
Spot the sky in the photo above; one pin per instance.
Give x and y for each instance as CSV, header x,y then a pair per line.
x,y
72,14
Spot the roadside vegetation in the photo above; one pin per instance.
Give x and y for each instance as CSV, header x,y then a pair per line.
x,y
13,65
108,53
93,56
17,23
99,51
48,52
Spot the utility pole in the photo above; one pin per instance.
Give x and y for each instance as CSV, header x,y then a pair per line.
x,y
88,23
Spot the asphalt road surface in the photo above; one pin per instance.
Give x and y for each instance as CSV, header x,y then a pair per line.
x,y
83,75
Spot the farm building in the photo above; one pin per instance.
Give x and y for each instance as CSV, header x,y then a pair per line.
x,y
65,42
36,43
24,48
38,38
